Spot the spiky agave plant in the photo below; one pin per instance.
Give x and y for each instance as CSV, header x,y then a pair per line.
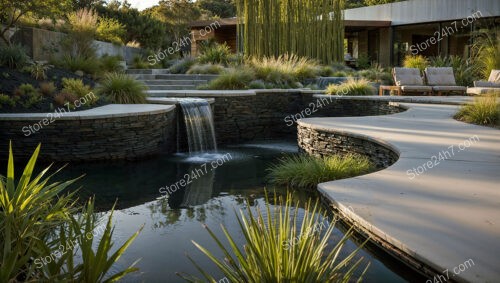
x,y
37,219
281,248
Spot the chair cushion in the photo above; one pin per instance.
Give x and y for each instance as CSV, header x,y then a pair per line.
x,y
407,76
482,90
440,76
449,88
486,84
494,76
416,88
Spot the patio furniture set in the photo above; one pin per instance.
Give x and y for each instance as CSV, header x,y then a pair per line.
x,y
437,81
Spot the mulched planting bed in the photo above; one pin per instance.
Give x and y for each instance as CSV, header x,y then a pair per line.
x,y
11,79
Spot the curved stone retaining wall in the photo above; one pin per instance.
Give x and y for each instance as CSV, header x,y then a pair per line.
x,y
273,113
323,143
97,134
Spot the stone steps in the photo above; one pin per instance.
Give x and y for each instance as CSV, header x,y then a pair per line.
x,y
173,82
172,87
161,80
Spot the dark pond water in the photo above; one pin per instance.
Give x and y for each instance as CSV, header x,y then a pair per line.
x,y
171,223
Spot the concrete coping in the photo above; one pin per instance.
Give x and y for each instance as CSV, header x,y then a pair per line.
x,y
450,100
107,111
174,100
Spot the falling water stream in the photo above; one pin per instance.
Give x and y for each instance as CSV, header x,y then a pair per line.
x,y
199,125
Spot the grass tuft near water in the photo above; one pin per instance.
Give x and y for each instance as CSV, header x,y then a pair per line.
x,y
305,172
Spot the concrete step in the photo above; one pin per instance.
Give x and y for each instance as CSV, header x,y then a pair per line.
x,y
174,82
186,77
147,71
172,87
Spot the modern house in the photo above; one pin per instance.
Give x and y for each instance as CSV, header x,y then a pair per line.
x,y
386,33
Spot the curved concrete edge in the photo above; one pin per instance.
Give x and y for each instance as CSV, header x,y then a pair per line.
x,y
446,245
173,100
103,112
450,100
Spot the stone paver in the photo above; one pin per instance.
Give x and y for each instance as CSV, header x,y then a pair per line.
x,y
446,215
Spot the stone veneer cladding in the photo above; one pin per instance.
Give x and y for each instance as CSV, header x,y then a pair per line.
x,y
128,137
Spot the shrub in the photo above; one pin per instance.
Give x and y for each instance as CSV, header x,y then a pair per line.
x,y
232,79
111,30
484,111
13,56
257,84
182,66
64,98
38,70
418,61
111,64
339,74
82,26
6,100
305,172
38,218
76,87
486,52
326,71
87,65
216,54
352,87
27,95
139,63
377,74
209,68
47,89
363,61
271,253
122,89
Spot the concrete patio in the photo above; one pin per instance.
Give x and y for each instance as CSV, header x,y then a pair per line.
x,y
439,216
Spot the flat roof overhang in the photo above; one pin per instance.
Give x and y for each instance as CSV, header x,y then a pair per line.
x,y
366,24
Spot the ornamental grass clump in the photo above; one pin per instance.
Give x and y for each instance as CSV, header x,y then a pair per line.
x,y
306,172
285,69
352,87
420,62
122,89
232,79
483,111
37,218
282,246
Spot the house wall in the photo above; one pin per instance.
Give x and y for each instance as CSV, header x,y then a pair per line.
x,y
421,11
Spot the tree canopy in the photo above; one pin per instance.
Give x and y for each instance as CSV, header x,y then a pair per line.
x,y
11,11
217,8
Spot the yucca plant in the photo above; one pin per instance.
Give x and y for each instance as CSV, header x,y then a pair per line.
x,y
281,248
122,89
352,87
37,218
305,171
484,111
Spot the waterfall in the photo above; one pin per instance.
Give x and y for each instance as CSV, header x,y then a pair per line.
x,y
199,125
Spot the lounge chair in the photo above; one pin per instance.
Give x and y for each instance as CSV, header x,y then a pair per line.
x,y
442,80
409,81
485,87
